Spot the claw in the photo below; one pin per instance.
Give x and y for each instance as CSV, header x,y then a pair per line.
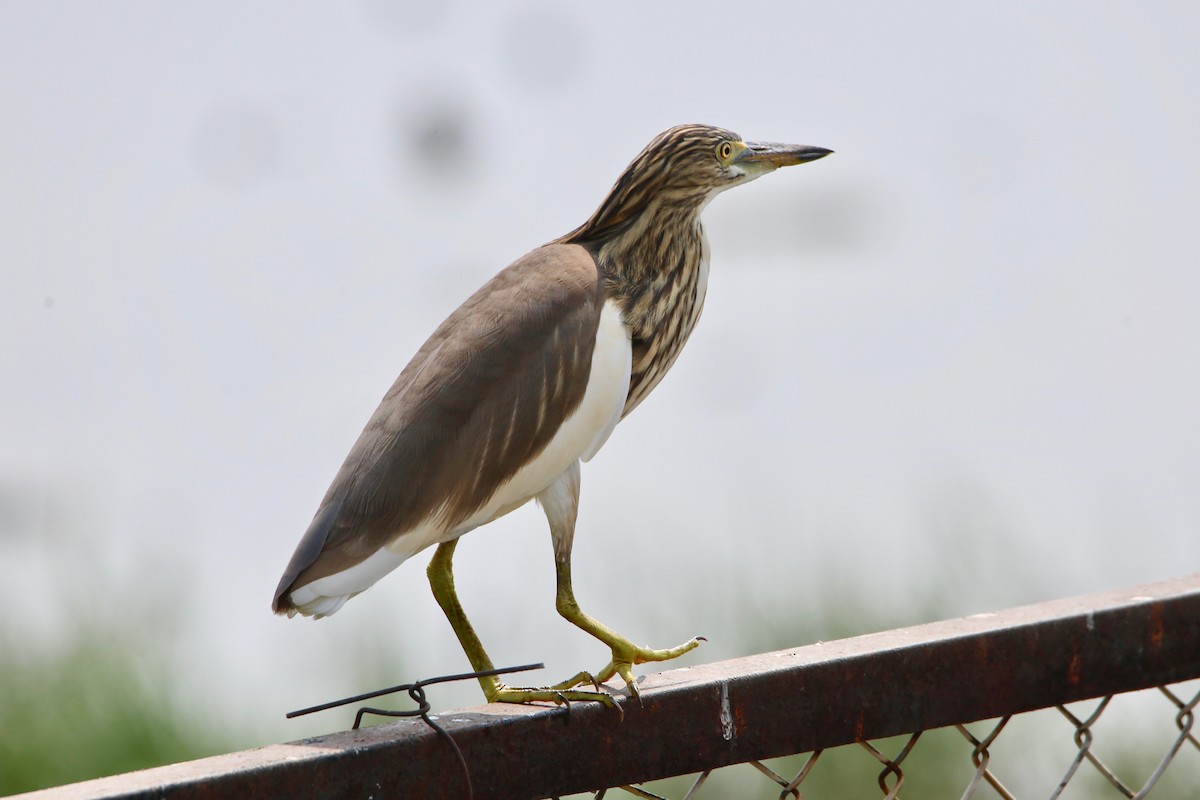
x,y
625,655
635,691
579,680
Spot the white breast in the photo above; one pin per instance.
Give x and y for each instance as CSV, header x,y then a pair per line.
x,y
702,276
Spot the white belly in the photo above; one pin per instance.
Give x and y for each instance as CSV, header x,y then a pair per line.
x,y
580,437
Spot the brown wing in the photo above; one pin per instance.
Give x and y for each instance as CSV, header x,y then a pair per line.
x,y
482,397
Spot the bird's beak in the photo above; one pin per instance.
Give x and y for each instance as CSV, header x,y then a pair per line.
x,y
772,155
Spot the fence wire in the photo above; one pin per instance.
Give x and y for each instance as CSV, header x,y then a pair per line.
x,y
1085,772
1053,700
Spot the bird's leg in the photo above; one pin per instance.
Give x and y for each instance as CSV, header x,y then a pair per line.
x,y
625,654
441,581
561,503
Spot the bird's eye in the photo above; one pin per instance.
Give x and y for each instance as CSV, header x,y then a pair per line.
x,y
724,151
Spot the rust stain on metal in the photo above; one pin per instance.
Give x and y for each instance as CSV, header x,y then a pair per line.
x,y
1075,669
1156,625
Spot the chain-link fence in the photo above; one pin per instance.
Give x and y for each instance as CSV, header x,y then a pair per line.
x,y
1080,698
1126,760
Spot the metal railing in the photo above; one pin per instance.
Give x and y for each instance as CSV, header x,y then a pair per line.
x,y
977,751
920,683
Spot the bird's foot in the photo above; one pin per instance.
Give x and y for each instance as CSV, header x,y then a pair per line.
x,y
563,693
626,655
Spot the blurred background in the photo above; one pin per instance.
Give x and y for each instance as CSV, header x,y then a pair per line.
x,y
952,368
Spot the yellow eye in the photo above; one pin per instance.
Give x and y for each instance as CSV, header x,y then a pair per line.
x,y
724,151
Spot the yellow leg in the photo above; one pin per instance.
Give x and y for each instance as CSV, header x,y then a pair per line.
x,y
441,581
625,654
560,501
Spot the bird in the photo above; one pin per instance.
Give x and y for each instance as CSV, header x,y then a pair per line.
x,y
518,386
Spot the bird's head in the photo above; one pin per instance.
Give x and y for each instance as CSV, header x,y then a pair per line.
x,y
703,159
686,166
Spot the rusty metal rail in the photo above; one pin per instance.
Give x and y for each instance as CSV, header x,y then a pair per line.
x,y
699,718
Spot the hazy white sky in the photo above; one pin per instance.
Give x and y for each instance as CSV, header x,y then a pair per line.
x,y
960,356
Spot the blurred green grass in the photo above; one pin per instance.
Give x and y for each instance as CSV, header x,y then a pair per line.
x,y
100,703
105,702
106,696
